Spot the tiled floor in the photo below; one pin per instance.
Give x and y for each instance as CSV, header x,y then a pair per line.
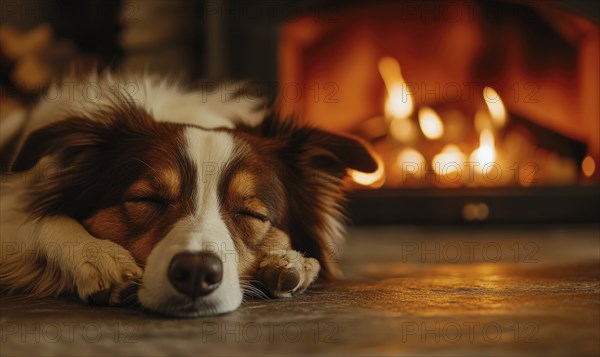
x,y
409,291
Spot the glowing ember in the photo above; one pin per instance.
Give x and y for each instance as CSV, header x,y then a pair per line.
x,y
448,161
588,166
495,106
431,124
374,179
410,156
399,102
486,152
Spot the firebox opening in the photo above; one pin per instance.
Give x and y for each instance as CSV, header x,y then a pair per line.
x,y
487,99
465,97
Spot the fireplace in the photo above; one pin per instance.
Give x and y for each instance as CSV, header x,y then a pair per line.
x,y
477,112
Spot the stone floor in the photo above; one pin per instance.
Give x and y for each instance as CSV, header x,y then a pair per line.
x,y
408,291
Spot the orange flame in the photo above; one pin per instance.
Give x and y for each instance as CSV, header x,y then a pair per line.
x,y
431,124
449,160
486,152
495,106
399,101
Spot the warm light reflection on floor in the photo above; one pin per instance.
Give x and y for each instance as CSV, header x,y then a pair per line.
x,y
500,289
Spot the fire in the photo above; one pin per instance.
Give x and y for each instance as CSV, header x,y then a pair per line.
x,y
449,160
495,106
399,102
402,130
486,152
410,156
483,120
431,124
410,162
373,179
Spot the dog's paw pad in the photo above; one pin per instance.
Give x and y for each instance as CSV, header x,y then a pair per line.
x,y
288,281
128,296
287,274
100,298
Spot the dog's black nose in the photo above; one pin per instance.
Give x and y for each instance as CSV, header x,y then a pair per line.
x,y
195,274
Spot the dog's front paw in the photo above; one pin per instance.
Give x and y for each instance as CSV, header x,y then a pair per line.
x,y
287,273
105,273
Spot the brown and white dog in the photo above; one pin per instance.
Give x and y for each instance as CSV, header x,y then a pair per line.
x,y
187,195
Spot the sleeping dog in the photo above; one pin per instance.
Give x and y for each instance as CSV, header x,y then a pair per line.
x,y
182,197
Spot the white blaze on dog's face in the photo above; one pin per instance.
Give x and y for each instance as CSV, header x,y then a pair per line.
x,y
202,230
197,209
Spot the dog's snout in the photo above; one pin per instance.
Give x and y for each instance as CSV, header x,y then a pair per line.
x,y
195,274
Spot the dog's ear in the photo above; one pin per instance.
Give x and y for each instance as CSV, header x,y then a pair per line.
x,y
314,163
65,139
319,150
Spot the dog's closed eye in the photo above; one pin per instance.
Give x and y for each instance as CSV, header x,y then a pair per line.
x,y
142,210
246,213
152,200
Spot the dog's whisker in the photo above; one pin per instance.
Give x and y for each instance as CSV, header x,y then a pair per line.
x,y
253,291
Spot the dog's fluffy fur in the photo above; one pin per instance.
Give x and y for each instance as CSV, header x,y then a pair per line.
x,y
100,194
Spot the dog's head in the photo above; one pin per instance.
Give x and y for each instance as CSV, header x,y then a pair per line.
x,y
184,200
